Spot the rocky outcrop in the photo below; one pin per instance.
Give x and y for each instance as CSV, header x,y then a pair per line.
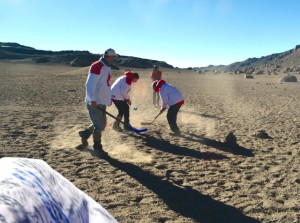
x,y
135,62
288,61
15,51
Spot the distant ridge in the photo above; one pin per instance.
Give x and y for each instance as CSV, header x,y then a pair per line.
x,y
288,61
15,51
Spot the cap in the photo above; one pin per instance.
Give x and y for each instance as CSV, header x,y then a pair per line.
x,y
136,76
128,73
110,53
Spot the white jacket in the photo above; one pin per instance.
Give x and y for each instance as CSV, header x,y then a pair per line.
x,y
120,89
98,83
170,95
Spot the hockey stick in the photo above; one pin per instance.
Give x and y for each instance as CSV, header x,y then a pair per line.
x,y
149,123
129,126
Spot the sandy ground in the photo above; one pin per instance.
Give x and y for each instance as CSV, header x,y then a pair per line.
x,y
155,177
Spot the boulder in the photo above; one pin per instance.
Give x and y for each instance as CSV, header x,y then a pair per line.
x,y
297,47
247,76
261,134
230,139
288,78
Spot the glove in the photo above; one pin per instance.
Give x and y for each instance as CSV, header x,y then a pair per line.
x,y
128,102
94,104
162,110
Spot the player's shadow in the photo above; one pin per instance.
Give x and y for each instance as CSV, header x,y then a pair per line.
x,y
166,146
226,147
200,114
185,201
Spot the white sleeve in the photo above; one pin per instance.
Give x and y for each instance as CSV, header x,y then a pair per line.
x,y
164,97
90,85
124,89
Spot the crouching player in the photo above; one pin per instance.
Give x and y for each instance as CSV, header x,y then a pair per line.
x,y
172,98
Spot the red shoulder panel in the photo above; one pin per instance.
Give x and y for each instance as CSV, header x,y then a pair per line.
x,y
96,67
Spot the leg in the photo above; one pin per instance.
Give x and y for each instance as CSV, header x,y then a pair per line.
x,y
97,140
154,98
172,118
157,99
119,106
98,119
126,115
85,135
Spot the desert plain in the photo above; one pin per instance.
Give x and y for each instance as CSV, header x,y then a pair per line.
x,y
154,176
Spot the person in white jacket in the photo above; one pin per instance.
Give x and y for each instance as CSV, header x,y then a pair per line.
x,y
172,98
120,97
98,95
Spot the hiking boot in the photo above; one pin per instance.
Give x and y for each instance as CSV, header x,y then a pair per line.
x,y
126,128
85,135
98,149
175,133
97,145
117,128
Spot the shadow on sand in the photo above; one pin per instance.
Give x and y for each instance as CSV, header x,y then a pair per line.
x,y
230,148
184,201
165,146
200,114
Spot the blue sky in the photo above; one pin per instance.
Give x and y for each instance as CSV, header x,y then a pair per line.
x,y
183,33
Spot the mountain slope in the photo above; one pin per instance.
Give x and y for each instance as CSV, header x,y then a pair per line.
x,y
15,51
288,61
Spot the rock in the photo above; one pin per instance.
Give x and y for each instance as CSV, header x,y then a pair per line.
x,y
261,134
259,72
288,78
247,76
230,139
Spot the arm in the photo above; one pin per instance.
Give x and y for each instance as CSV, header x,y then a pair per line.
x,y
159,75
91,84
124,90
164,98
152,76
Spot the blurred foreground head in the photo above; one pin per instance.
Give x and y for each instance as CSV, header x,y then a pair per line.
x,y
31,191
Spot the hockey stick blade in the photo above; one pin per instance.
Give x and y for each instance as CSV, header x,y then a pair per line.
x,y
137,130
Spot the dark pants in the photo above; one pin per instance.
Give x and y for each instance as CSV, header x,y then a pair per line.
x,y
172,117
123,110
